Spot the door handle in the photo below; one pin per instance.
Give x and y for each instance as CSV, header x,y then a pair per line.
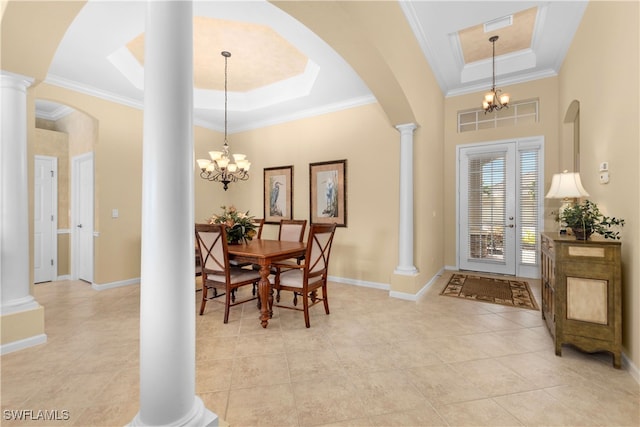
x,y
79,225
510,225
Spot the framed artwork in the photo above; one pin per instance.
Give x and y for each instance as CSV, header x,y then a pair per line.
x,y
328,192
278,194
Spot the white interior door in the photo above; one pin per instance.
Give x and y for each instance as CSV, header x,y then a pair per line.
x,y
45,229
500,207
82,217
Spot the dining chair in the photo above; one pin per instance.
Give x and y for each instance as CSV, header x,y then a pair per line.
x,y
306,278
259,222
217,273
292,230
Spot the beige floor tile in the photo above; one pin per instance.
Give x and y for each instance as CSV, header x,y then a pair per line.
x,y
492,377
423,416
265,406
538,408
441,384
255,371
388,391
329,400
374,361
483,412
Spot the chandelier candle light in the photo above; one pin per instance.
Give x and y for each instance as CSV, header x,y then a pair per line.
x,y
492,100
220,168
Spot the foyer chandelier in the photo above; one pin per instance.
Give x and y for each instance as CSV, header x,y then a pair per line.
x,y
220,168
493,100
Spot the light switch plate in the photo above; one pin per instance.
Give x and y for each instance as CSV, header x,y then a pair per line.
x,y
604,166
604,177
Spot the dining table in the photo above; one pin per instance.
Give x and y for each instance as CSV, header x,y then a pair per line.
x,y
264,252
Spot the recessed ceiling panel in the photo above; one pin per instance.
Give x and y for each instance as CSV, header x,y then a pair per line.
x,y
259,56
514,37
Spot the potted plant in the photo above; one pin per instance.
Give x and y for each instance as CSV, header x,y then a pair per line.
x,y
239,225
585,219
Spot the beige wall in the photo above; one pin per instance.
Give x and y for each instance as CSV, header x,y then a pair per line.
x,y
546,90
598,65
365,249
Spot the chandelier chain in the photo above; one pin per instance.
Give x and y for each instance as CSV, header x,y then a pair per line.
x,y
220,168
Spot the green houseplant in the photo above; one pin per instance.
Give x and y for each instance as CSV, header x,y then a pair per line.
x,y
238,225
585,219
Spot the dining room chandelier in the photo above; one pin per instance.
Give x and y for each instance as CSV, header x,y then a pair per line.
x,y
220,168
493,100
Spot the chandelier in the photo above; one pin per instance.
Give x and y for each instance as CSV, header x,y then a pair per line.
x,y
220,168
493,100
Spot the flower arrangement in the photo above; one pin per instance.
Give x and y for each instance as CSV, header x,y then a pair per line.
x,y
585,219
239,225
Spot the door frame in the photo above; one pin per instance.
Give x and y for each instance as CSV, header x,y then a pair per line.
x,y
53,193
521,270
77,257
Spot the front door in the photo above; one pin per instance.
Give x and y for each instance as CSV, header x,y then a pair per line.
x,y
500,206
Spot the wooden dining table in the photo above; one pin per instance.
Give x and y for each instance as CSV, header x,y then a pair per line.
x,y
265,252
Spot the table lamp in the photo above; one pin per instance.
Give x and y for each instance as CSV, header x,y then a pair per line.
x,y
568,187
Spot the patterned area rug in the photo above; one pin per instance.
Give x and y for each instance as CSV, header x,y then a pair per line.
x,y
514,293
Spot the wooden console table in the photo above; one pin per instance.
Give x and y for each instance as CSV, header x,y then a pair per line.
x,y
581,293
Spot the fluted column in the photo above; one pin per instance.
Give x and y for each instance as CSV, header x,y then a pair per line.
x,y
405,238
167,313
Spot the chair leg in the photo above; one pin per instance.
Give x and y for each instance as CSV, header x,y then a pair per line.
x,y
305,305
205,291
227,304
326,300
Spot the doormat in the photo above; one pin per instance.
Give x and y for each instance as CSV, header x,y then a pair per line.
x,y
514,293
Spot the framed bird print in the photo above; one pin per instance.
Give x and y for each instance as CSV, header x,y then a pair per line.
x,y
328,192
278,194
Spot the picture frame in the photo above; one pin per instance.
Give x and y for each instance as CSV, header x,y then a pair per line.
x,y
328,192
278,194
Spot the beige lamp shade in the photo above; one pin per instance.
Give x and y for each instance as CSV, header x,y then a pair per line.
x,y
566,185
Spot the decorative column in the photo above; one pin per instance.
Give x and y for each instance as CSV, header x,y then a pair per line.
x,y
167,316
22,316
405,238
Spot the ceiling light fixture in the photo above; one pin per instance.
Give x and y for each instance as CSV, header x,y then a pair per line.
x,y
220,168
492,100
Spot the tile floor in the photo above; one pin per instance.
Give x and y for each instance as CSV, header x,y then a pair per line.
x,y
375,361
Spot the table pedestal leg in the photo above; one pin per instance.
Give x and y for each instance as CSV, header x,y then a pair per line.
x,y
264,290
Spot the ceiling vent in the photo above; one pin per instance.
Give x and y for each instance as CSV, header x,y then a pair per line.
x,y
496,24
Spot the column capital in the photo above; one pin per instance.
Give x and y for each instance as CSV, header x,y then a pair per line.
x,y
15,81
406,127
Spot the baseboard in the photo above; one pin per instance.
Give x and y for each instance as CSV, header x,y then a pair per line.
x,y
363,283
105,286
387,287
64,277
628,365
420,293
22,344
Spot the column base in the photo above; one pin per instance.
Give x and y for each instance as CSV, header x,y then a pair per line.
x,y
406,271
199,416
405,282
22,329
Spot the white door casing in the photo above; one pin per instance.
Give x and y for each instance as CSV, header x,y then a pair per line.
x,y
500,206
45,228
82,206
